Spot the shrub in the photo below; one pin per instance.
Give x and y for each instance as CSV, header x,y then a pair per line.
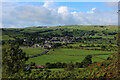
x,y
70,67
87,61
13,60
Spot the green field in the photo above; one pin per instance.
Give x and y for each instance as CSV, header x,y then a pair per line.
x,y
18,32
68,55
69,52
62,69
32,51
58,69
6,37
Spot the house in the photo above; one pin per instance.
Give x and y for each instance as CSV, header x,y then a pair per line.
x,y
36,45
40,67
47,46
24,39
46,41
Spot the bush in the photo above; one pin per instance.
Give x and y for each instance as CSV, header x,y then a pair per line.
x,y
70,67
87,61
13,60
32,64
56,65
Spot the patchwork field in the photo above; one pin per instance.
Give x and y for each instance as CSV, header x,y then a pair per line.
x,y
67,50
66,55
10,34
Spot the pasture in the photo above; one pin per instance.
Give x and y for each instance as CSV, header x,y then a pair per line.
x,y
18,32
31,51
68,55
59,69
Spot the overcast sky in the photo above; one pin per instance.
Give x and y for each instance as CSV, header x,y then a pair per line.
x,y
27,14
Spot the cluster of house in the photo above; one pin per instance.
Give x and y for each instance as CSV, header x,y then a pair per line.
x,y
45,46
48,41
59,40
53,40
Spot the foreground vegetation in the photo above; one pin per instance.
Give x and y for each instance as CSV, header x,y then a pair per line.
x,y
102,70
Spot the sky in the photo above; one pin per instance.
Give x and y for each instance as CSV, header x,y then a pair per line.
x,y
60,0
28,14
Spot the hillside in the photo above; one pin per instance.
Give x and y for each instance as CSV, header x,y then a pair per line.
x,y
71,51
70,30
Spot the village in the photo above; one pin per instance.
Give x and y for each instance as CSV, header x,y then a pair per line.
x,y
48,42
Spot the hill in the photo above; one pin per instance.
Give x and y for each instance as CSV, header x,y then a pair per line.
x,y
69,30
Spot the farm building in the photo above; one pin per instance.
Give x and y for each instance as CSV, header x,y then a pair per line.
x,y
40,67
36,45
34,67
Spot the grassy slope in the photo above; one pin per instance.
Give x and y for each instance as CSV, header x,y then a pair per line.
x,y
55,58
6,37
66,55
63,51
66,28
32,51
97,71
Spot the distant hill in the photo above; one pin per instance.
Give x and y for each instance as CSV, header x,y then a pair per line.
x,y
69,30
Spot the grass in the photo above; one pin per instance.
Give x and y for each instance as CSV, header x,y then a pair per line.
x,y
32,51
81,52
68,55
92,27
55,69
6,37
68,28
94,59
59,69
55,58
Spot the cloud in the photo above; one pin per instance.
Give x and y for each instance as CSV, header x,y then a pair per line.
x,y
48,4
112,0
111,4
93,10
0,14
20,15
63,9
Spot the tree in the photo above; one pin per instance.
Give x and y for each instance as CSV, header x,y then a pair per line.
x,y
32,64
48,65
70,67
87,61
103,47
13,60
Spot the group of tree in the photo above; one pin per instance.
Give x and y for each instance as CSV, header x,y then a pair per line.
x,y
69,66
13,60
